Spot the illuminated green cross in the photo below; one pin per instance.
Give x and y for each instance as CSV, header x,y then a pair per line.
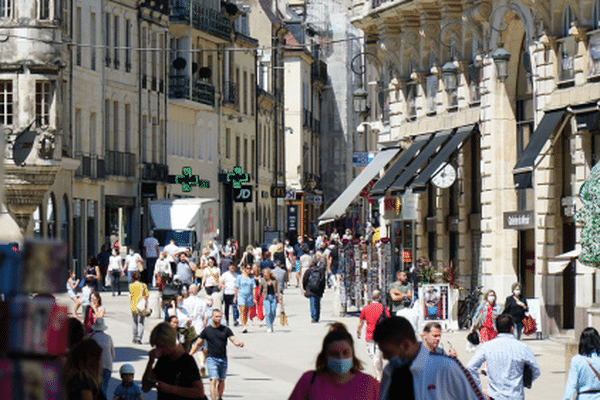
x,y
187,180
236,178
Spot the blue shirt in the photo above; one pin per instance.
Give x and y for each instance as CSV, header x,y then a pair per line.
x,y
245,286
505,357
582,378
131,392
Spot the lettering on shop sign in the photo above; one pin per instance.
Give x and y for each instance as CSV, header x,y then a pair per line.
x,y
277,192
519,220
243,194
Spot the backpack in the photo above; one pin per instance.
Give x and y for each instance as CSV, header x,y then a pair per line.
x,y
314,280
383,315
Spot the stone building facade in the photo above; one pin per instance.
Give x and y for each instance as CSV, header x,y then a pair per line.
x,y
520,143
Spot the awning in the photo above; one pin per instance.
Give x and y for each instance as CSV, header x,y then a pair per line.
x,y
411,170
396,169
339,206
454,144
524,168
557,264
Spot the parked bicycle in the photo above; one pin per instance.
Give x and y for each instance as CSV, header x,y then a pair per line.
x,y
467,308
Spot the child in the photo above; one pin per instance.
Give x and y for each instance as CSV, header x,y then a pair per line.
x,y
127,390
86,299
72,284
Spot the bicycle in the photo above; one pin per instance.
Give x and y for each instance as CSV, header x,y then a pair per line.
x,y
467,308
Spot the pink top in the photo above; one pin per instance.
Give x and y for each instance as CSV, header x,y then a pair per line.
x,y
360,387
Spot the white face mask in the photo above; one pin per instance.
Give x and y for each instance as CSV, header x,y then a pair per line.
x,y
517,292
491,299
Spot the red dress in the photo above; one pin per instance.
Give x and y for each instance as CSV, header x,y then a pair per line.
x,y
257,309
487,330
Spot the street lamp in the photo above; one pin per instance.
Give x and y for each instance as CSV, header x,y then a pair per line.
x,y
360,102
450,76
501,58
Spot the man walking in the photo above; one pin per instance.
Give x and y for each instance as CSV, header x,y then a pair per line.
x,y
216,336
313,283
432,335
506,359
413,372
108,351
371,314
151,255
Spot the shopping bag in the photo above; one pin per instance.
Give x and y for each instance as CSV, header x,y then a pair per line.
x,y
284,320
529,326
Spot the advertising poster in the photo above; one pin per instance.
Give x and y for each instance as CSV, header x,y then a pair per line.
x,y
435,301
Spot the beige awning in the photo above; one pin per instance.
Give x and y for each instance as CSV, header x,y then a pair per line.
x,y
558,263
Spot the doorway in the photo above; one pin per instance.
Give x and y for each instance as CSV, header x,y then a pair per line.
x,y
569,278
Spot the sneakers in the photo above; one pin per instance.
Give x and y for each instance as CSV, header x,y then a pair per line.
x,y
245,330
203,372
236,323
270,330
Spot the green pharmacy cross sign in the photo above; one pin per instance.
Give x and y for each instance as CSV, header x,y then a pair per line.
x,y
187,180
236,178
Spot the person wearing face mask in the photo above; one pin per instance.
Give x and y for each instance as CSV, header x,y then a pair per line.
x,y
338,372
517,307
133,261
115,266
414,372
485,317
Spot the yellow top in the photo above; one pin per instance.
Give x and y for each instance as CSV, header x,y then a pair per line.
x,y
136,290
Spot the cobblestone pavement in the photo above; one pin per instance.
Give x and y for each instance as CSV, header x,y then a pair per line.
x,y
269,364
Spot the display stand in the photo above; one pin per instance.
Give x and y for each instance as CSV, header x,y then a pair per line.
x,y
35,326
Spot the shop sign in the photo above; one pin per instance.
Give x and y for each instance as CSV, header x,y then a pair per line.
x,y
187,180
520,220
277,192
290,194
243,194
360,159
318,200
292,218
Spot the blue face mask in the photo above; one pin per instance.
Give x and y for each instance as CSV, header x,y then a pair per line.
x,y
339,366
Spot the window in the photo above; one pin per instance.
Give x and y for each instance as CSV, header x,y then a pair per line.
x,y
115,119
411,100
475,72
154,140
93,133
227,142
106,123
93,41
78,132
245,92
107,59
43,99
127,45
44,9
566,48
78,37
596,15
210,137
237,150
6,8
245,154
116,41
143,57
128,145
252,93
432,89
6,103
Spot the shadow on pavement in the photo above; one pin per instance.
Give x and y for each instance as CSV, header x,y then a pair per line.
x,y
129,354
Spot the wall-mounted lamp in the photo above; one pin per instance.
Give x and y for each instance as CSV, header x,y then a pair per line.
x,y
450,76
289,129
360,101
501,58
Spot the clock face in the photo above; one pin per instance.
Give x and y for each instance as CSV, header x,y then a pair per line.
x,y
444,176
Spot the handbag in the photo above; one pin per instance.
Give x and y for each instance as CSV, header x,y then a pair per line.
x,y
284,320
142,307
529,326
473,337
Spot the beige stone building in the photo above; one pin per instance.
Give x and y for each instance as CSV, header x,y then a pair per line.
x,y
520,141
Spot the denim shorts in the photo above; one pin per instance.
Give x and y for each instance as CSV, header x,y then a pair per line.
x,y
217,368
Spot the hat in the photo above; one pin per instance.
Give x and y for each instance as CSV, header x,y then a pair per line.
x,y
126,369
99,325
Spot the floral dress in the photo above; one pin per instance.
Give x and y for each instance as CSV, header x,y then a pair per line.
x,y
488,331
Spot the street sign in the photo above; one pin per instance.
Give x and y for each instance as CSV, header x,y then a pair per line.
x,y
360,159
243,194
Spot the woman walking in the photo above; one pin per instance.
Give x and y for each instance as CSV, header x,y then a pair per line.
x,y
210,278
115,269
485,317
516,306
257,308
137,291
244,294
337,375
268,290
585,367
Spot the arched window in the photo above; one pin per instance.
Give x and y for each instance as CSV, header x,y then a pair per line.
x,y
37,222
51,217
64,220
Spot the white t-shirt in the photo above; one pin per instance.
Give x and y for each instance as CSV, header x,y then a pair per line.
x,y
151,246
170,249
229,280
210,274
114,263
196,308
131,261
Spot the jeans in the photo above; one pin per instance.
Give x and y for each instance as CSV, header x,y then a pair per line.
x,y
105,380
149,271
270,307
115,283
315,308
518,330
138,326
129,272
228,300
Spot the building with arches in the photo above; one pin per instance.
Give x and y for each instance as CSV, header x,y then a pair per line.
x,y
495,106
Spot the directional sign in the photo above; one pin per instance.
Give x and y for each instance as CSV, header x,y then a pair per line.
x,y
243,194
187,180
237,177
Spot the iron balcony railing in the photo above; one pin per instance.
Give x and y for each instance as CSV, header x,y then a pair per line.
x,y
209,20
155,172
179,87
120,163
230,93
201,91
90,166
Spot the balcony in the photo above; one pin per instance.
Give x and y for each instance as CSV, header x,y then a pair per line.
x,y
209,20
201,91
179,87
155,172
230,93
120,163
90,166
